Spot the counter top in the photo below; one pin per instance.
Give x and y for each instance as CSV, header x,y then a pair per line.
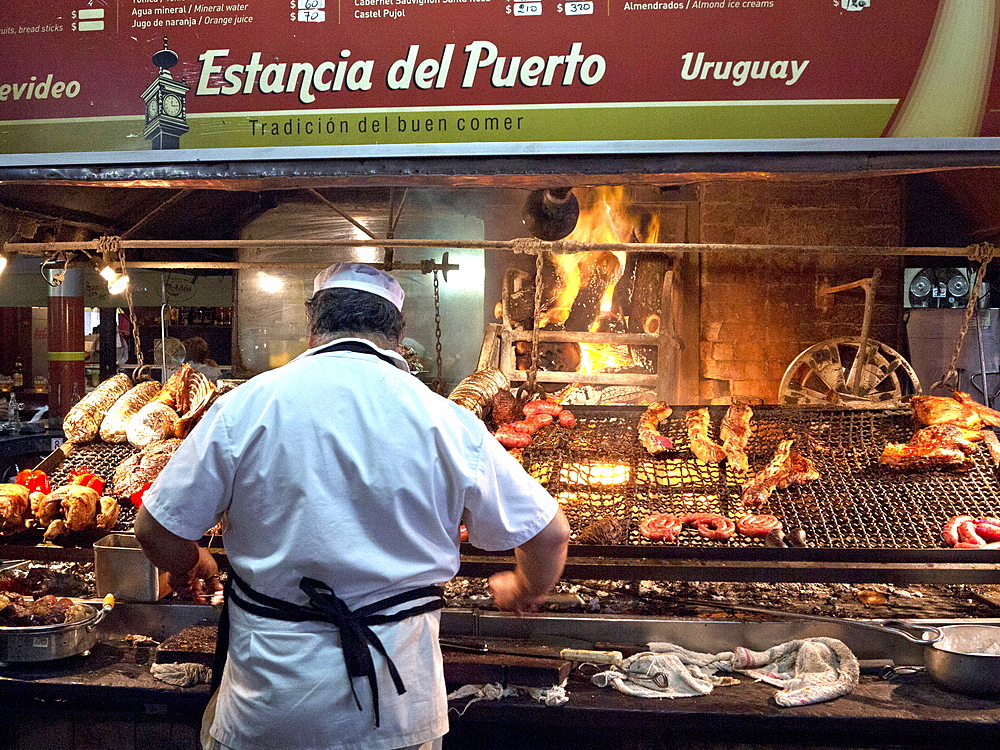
x,y
909,709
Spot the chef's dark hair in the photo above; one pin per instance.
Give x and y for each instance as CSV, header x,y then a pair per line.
x,y
342,310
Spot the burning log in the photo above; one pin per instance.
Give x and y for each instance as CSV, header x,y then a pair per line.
x,y
643,312
596,276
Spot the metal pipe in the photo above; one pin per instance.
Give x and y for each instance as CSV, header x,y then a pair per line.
x,y
525,246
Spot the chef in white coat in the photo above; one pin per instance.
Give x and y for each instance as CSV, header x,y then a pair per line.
x,y
343,480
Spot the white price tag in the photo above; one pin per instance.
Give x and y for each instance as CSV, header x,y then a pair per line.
x,y
311,4
585,8
312,16
527,9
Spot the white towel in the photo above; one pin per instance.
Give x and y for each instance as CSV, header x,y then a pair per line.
x,y
811,670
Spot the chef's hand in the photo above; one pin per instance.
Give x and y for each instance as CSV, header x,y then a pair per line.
x,y
199,583
512,593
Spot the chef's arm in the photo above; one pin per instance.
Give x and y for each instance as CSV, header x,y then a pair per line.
x,y
192,568
538,565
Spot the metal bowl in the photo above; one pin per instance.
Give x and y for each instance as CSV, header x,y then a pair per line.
x,y
958,663
47,642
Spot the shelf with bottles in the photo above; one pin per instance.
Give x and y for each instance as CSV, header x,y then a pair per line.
x,y
200,316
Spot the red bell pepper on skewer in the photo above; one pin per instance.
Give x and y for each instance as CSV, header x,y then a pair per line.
x,y
84,476
34,480
136,497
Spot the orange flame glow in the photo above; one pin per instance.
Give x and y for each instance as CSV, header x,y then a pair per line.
x,y
605,216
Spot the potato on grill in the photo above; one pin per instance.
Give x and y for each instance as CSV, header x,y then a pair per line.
x,y
83,422
113,428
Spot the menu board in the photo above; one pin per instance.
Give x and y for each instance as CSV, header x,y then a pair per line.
x,y
276,79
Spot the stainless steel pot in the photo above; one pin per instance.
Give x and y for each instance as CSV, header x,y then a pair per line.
x,y
48,642
966,659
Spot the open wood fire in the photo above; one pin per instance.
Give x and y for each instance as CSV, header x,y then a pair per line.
x,y
608,293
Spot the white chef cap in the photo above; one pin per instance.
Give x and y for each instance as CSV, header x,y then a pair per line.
x,y
362,277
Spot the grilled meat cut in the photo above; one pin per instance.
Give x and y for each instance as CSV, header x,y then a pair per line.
x,y
649,428
942,445
734,432
948,435
909,457
960,411
144,466
603,531
15,500
798,470
786,468
988,415
704,448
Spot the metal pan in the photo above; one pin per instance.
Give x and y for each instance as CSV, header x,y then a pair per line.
x,y
47,642
957,661
953,654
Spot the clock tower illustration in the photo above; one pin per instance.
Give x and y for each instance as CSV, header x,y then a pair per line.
x,y
166,112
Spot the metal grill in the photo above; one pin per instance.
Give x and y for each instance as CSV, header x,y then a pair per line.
x,y
100,458
598,469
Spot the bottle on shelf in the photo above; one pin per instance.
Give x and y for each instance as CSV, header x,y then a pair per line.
x,y
18,380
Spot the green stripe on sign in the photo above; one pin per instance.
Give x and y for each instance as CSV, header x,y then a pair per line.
x,y
67,356
529,124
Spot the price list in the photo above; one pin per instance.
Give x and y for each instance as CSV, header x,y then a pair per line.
x,y
309,11
581,8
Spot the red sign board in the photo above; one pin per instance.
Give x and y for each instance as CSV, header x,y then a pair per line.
x,y
395,77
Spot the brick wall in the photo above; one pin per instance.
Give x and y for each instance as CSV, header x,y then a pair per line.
x,y
760,310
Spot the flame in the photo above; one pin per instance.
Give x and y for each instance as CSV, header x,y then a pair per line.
x,y
605,216
595,474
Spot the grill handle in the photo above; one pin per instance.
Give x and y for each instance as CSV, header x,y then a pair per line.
x,y
921,634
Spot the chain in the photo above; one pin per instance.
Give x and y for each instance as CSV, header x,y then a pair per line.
x,y
531,385
439,379
982,253
111,247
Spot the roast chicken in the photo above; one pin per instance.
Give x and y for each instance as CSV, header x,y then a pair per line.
x,y
953,427
960,411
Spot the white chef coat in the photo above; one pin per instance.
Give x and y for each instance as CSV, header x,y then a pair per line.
x,y
340,467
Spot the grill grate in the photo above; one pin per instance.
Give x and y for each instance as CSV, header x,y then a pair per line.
x,y
598,469
101,458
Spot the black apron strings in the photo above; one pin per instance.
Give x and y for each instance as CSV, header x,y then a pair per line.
x,y
356,636
358,347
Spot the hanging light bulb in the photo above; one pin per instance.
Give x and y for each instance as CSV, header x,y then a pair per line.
x,y
118,285
268,283
3,260
108,268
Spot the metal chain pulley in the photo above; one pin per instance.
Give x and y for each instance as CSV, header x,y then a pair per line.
x,y
981,253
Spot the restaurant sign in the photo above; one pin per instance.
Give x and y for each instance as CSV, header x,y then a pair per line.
x,y
142,79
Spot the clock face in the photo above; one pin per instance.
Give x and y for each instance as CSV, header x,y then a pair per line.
x,y
151,109
171,105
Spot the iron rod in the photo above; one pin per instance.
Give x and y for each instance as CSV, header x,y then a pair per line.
x,y
43,248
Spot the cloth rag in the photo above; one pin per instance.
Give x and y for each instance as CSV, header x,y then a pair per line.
x,y
494,691
810,670
182,675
